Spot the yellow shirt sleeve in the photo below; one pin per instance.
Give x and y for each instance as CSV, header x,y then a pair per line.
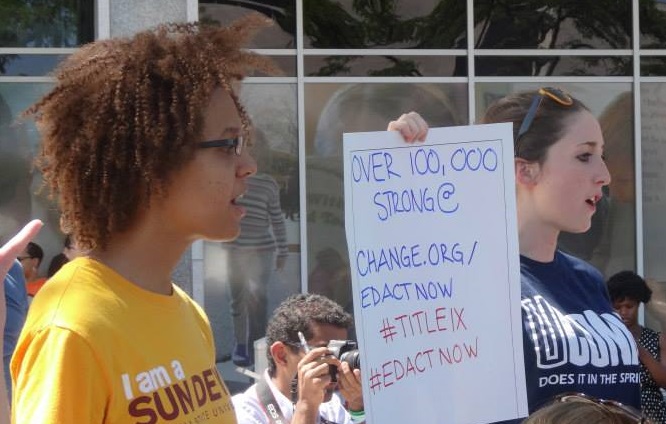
x,y
69,385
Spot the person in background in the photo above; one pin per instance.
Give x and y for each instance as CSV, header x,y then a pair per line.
x,y
570,330
16,304
577,408
8,254
31,258
69,252
56,263
143,146
627,291
254,256
297,383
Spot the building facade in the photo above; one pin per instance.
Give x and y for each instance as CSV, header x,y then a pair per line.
x,y
353,66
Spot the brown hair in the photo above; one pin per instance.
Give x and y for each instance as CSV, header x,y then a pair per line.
x,y
547,127
124,116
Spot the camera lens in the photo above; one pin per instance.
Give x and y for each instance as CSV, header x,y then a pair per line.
x,y
352,357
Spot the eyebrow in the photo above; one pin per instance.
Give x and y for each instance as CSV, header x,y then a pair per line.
x,y
593,144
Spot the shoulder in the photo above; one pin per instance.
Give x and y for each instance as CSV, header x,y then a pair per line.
x,y
16,271
263,180
579,267
193,306
15,282
650,333
247,407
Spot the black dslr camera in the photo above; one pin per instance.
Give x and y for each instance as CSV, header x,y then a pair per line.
x,y
345,351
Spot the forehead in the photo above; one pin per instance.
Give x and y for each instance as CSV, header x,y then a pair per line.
x,y
221,116
582,129
625,301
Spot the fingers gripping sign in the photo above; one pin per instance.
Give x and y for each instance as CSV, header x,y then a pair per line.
x,y
411,126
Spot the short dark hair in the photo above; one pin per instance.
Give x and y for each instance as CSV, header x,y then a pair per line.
x,y
295,314
628,285
35,251
56,263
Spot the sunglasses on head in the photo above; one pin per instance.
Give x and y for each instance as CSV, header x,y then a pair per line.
x,y
238,143
614,406
555,94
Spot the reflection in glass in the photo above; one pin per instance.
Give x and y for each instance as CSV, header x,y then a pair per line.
x,y
385,66
652,15
653,66
29,64
399,24
282,12
563,24
331,110
554,66
653,150
247,278
20,198
54,23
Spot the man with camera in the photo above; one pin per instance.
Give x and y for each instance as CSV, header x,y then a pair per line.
x,y
303,373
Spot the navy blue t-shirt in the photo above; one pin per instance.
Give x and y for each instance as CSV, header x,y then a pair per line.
x,y
572,339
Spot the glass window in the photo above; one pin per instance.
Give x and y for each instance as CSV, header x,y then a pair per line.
x,y
386,66
654,66
400,24
29,64
653,150
331,110
610,243
56,23
652,17
554,66
20,197
559,24
283,13
247,278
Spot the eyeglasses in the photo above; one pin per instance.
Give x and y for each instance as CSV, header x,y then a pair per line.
x,y
22,258
555,94
615,406
236,142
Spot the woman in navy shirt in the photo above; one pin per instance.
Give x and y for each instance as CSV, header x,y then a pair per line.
x,y
573,340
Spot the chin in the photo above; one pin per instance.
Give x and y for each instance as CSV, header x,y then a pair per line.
x,y
578,229
224,236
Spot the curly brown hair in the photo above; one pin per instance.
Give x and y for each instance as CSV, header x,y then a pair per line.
x,y
125,114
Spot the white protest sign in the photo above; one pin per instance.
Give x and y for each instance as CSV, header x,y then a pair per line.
x,y
433,247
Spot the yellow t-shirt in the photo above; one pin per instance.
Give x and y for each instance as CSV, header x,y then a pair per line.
x,y
96,348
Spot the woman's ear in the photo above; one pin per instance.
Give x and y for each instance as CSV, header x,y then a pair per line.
x,y
526,172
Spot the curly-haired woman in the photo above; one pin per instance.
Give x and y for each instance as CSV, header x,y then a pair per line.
x,y
143,147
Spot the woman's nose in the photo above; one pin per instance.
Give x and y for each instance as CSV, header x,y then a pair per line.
x,y
245,164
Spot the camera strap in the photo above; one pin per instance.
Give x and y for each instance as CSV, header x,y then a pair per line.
x,y
271,406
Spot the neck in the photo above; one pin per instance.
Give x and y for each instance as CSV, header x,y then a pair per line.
x,y
282,382
145,255
537,240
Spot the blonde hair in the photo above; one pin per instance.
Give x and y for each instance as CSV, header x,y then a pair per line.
x,y
580,411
